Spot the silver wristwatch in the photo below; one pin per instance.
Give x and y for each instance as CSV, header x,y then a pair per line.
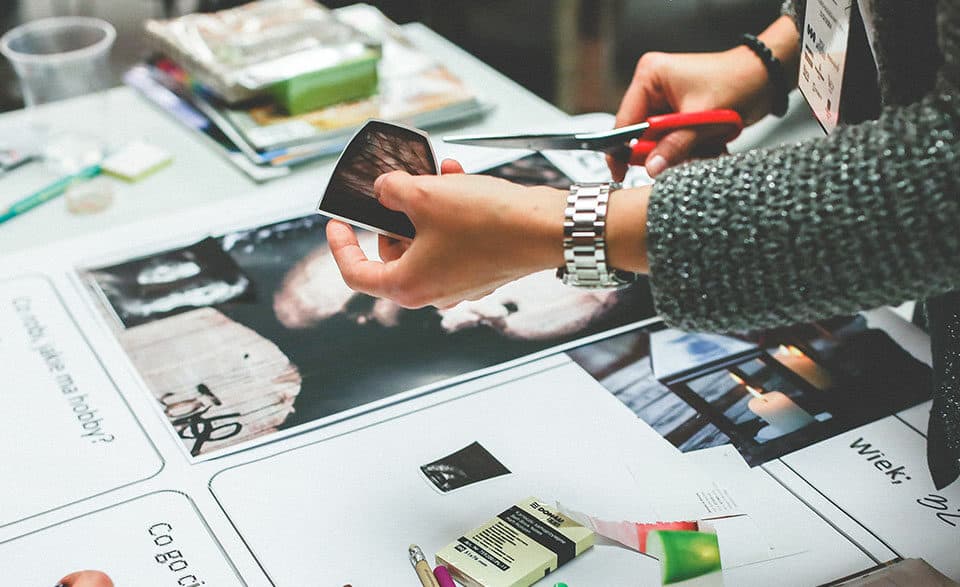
x,y
584,242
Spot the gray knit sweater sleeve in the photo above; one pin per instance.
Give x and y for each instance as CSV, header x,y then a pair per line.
x,y
867,216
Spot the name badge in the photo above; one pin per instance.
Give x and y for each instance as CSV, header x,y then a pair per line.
x,y
824,54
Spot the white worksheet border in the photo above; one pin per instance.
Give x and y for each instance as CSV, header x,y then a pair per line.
x,y
116,389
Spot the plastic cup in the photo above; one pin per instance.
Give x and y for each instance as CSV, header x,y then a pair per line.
x,y
60,57
684,554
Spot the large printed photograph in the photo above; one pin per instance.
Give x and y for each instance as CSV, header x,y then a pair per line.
x,y
768,393
246,336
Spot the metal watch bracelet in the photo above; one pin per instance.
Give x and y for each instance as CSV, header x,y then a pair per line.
x,y
584,238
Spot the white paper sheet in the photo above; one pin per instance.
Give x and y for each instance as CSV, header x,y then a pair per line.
x,y
917,417
158,539
62,418
562,436
878,475
802,546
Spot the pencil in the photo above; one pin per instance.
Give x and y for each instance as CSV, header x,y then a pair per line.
x,y
420,565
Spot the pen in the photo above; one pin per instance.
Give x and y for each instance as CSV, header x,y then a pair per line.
x,y
48,193
420,565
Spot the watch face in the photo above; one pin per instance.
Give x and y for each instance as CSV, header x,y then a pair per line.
x,y
378,147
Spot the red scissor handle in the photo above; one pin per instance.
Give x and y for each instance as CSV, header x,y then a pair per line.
x,y
662,124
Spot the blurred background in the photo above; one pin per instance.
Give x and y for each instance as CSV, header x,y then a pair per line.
x,y
576,54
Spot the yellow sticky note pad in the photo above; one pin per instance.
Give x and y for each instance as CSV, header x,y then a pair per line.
x,y
516,548
135,161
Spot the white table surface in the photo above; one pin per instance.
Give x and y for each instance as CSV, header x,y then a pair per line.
x,y
198,175
201,178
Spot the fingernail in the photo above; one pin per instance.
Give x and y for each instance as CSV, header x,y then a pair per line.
x,y
656,165
376,182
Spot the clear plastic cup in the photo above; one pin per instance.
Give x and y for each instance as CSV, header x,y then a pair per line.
x,y
60,57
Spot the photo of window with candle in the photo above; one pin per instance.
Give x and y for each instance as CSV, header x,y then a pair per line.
x,y
768,393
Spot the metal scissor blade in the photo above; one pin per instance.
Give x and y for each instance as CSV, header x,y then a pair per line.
x,y
592,141
614,138
539,142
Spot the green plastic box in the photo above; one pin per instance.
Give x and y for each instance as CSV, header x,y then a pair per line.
x,y
348,81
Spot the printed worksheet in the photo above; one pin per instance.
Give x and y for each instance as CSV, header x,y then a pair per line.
x,y
886,487
157,539
68,432
554,435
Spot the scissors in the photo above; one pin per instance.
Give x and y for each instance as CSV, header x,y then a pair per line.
x,y
628,144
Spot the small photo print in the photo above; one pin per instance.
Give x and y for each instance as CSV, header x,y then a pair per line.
x,y
378,148
467,466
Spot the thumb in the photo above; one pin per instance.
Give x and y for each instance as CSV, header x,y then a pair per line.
x,y
390,189
673,148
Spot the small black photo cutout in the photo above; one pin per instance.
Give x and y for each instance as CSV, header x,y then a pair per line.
x,y
467,466
378,147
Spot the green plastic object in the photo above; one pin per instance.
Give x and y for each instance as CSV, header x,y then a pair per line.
x,y
684,554
348,81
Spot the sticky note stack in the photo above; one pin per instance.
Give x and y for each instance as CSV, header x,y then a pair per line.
x,y
517,548
135,161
